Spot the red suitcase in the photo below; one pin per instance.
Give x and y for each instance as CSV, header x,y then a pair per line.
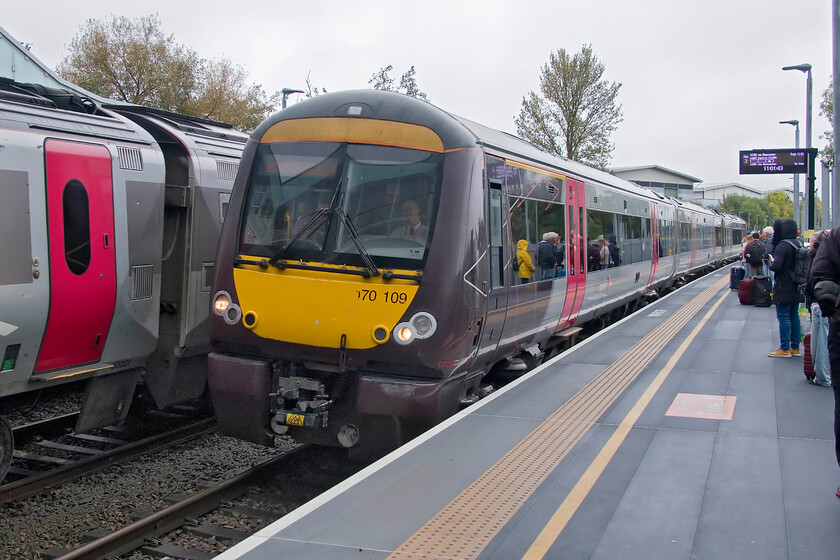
x,y
745,291
808,362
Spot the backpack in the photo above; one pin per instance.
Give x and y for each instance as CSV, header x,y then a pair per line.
x,y
800,263
754,253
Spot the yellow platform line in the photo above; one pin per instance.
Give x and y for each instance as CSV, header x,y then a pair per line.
x,y
463,528
575,498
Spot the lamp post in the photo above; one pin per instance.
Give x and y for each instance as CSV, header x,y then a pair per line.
x,y
287,92
797,208
809,93
749,222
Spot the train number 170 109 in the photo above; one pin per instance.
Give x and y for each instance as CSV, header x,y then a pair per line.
x,y
386,296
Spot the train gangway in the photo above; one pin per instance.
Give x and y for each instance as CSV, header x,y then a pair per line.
x,y
669,435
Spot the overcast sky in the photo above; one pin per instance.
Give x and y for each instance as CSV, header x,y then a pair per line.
x,y
701,80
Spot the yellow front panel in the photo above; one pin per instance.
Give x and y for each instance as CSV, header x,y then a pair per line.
x,y
357,131
316,308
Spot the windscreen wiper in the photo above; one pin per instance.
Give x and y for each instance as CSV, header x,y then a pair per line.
x,y
315,217
357,241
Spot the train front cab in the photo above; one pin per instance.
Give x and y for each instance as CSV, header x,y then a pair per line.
x,y
327,287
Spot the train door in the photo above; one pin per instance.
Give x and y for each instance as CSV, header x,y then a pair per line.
x,y
497,293
576,239
694,244
80,222
656,245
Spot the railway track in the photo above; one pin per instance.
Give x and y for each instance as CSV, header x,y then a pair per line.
x,y
48,453
204,524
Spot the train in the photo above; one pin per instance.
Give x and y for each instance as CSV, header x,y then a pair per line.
x,y
364,286
110,214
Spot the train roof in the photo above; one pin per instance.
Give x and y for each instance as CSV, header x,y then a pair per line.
x,y
195,133
515,145
31,84
454,131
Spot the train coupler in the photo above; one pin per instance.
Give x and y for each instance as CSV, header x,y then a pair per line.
x,y
315,420
299,402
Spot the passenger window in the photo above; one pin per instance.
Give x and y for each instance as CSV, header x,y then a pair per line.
x,y
76,211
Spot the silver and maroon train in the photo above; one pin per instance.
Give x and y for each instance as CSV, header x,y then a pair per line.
x,y
109,219
364,282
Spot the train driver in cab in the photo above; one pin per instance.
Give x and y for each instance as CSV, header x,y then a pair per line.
x,y
414,228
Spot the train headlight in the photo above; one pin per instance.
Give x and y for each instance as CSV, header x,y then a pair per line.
x,y
225,308
221,302
424,325
403,333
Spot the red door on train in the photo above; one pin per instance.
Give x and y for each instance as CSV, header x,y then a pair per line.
x,y
80,220
575,253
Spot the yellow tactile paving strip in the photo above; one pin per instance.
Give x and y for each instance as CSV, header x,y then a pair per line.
x,y
463,528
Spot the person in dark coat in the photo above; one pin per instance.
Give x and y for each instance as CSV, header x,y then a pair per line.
x,y
615,252
786,293
547,256
825,276
768,248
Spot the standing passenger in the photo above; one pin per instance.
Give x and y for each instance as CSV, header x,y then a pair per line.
x,y
753,255
768,250
825,274
786,294
819,324
526,267
546,255
615,252
605,253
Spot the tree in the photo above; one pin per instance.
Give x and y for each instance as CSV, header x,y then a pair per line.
x,y
136,62
223,94
382,79
781,206
575,111
827,110
312,91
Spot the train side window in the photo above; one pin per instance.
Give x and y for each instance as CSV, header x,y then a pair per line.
x,y
600,223
630,238
496,237
685,237
76,210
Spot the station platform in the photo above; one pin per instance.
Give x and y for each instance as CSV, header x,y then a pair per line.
x,y
668,435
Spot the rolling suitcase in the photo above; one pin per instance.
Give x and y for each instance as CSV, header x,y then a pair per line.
x,y
736,274
808,362
761,291
745,291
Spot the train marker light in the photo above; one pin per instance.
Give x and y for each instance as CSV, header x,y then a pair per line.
x,y
233,314
424,325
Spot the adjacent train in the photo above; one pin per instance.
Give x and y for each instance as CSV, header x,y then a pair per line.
x,y
109,215
364,289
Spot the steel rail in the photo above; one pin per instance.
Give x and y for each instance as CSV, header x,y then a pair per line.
x,y
30,486
166,520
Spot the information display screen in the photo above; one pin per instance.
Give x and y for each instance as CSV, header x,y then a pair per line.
x,y
754,162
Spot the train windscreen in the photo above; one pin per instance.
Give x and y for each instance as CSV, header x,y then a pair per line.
x,y
340,203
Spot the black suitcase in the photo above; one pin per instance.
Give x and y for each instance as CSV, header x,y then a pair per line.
x,y
736,274
761,291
